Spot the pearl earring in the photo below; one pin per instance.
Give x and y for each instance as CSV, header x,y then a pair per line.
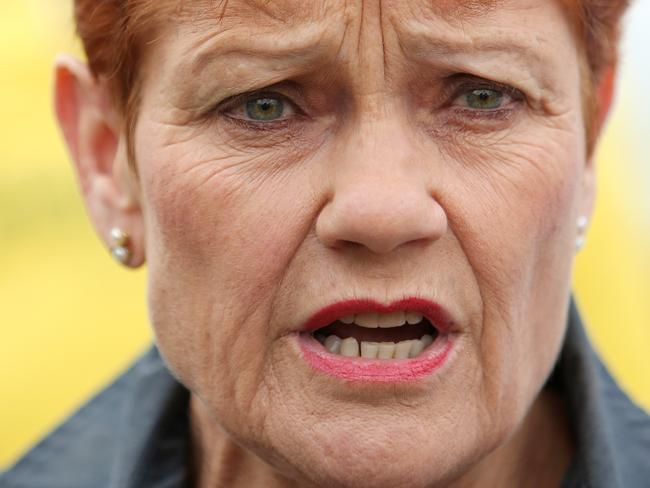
x,y
582,227
119,249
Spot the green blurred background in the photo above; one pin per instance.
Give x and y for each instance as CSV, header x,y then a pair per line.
x,y
70,319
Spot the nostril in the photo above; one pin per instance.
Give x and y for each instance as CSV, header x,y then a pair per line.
x,y
379,243
350,244
380,223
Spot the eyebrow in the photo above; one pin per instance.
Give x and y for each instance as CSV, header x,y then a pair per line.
x,y
276,59
456,49
456,9
423,44
302,45
459,54
415,44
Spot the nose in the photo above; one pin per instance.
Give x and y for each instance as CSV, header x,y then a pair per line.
x,y
379,196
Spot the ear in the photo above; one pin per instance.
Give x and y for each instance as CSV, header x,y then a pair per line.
x,y
604,98
605,95
92,129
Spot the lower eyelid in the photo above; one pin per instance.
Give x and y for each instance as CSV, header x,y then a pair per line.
x,y
485,114
479,121
247,123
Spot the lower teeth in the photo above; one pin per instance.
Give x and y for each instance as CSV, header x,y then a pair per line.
x,y
375,350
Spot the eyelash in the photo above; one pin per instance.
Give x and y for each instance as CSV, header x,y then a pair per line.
x,y
464,86
273,125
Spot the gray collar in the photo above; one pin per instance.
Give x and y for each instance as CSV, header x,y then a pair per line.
x,y
612,434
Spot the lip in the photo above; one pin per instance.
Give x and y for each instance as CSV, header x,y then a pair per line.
x,y
432,311
362,369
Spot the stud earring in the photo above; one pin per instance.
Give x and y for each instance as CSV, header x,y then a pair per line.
x,y
582,227
119,249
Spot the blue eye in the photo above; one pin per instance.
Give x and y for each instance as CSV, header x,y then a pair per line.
x,y
264,109
483,99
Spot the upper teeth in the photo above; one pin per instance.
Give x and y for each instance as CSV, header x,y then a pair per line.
x,y
373,320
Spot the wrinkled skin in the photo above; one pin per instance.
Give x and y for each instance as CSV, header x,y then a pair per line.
x,y
378,181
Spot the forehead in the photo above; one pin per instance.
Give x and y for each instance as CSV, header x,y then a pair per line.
x,y
285,37
459,25
291,11
209,49
269,21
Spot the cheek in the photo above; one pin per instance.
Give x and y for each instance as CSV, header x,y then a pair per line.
x,y
209,201
220,238
204,208
515,201
515,222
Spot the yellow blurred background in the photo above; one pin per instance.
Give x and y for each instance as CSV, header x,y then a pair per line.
x,y
71,319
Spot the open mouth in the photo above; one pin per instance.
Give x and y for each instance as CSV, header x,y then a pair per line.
x,y
394,335
364,340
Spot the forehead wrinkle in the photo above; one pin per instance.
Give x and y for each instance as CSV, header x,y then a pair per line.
x,y
284,11
267,11
304,43
224,27
419,42
450,10
425,39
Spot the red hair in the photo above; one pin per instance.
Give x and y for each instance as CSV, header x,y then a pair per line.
x,y
113,34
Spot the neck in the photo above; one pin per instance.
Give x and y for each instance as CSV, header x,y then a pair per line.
x,y
537,454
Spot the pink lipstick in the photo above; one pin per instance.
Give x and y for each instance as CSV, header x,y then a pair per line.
x,y
378,370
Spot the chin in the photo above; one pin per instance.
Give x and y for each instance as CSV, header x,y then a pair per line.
x,y
364,453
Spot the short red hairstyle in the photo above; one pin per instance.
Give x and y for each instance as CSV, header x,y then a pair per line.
x,y
113,34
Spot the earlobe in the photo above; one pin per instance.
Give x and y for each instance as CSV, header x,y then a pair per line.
x,y
92,131
589,193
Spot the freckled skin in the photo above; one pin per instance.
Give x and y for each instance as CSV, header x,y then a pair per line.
x,y
377,183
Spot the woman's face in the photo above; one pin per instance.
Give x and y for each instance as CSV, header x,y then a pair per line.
x,y
294,155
